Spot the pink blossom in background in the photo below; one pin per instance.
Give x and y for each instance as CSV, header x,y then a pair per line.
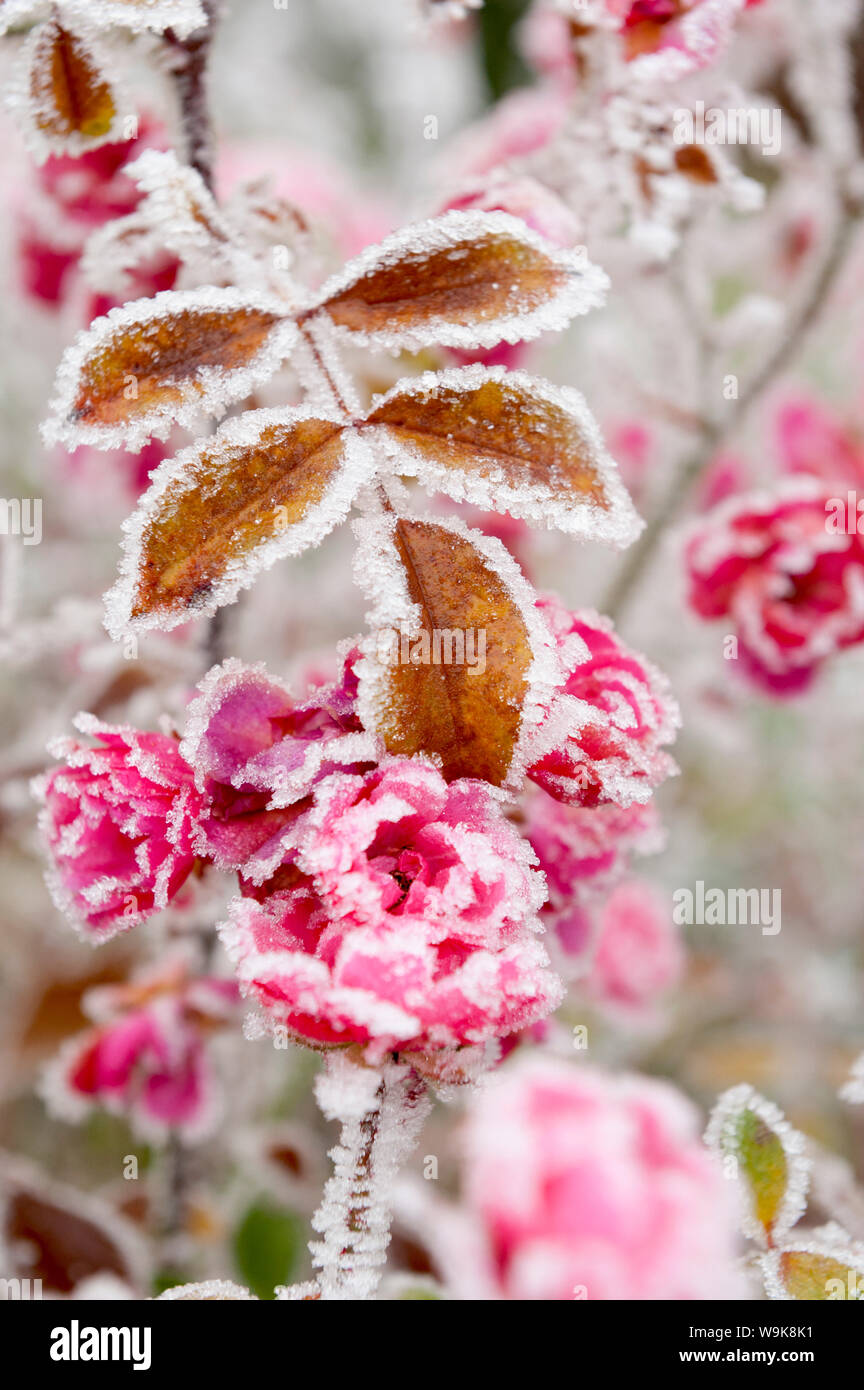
x,y
639,954
324,194
73,197
686,35
726,475
119,823
582,850
790,586
811,439
403,917
583,846
588,1184
608,733
146,1056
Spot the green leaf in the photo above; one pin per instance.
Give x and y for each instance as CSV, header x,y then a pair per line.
x,y
759,1148
268,1246
826,1270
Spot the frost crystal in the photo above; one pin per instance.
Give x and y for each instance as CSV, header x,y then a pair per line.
x,y
721,1136
510,315
381,1114
479,477
176,478
187,390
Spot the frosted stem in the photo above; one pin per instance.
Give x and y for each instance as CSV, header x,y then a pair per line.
x,y
715,433
190,80
381,1112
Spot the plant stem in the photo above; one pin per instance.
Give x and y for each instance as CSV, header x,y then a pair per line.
x,y
191,56
190,79
713,432
381,1113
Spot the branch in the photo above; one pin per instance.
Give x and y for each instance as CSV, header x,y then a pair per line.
x,y
713,433
381,1113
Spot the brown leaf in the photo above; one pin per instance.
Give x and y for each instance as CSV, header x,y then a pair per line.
x,y
696,164
60,1236
468,715
69,94
467,279
162,360
267,484
507,442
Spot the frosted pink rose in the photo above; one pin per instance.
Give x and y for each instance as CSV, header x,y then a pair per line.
x,y
146,1058
257,750
790,585
519,125
667,39
606,734
119,823
75,196
593,1185
811,440
581,850
639,953
403,917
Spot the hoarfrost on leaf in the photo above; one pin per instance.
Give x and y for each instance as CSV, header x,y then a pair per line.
x,y
509,442
464,280
170,359
268,484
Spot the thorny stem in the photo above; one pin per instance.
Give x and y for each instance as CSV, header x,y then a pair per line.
x,y
174,1199
713,432
328,370
381,1113
190,79
191,56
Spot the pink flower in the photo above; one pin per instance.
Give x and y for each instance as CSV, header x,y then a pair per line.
x,y
146,1058
76,195
811,440
791,585
257,751
119,822
639,953
666,39
605,735
582,846
592,1185
403,917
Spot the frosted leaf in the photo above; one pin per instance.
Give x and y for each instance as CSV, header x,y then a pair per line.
x,y
269,483
465,280
507,442
825,1265
209,1291
177,214
308,1292
62,1235
62,97
169,359
15,12
181,16
769,1158
441,578
853,1091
